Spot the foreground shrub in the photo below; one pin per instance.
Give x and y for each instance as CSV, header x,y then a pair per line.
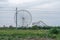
x,y
54,31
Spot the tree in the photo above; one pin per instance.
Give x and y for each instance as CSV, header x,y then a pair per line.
x,y
35,27
11,26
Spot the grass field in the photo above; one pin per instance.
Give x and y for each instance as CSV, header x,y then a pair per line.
x,y
13,34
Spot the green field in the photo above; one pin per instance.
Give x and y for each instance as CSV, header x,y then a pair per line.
x,y
17,34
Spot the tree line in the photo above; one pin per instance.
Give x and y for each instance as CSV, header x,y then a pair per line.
x,y
32,27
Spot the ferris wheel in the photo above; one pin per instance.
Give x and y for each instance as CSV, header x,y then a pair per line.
x,y
23,18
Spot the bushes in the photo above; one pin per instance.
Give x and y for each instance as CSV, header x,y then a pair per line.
x,y
54,31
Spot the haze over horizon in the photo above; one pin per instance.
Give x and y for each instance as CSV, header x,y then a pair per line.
x,y
46,10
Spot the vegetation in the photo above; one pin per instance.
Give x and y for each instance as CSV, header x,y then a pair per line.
x,y
11,33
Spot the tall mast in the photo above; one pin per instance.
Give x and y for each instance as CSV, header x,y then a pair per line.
x,y
16,18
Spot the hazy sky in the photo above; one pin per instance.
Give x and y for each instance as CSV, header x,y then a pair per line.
x,y
46,10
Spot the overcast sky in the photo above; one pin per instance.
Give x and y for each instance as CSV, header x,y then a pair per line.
x,y
46,10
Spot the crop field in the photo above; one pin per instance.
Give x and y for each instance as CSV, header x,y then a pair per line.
x,y
17,34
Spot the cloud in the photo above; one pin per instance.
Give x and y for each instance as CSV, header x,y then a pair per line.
x,y
20,1
42,4
47,4
45,10
3,0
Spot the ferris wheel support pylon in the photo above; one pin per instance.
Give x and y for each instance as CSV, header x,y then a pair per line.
x,y
16,17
